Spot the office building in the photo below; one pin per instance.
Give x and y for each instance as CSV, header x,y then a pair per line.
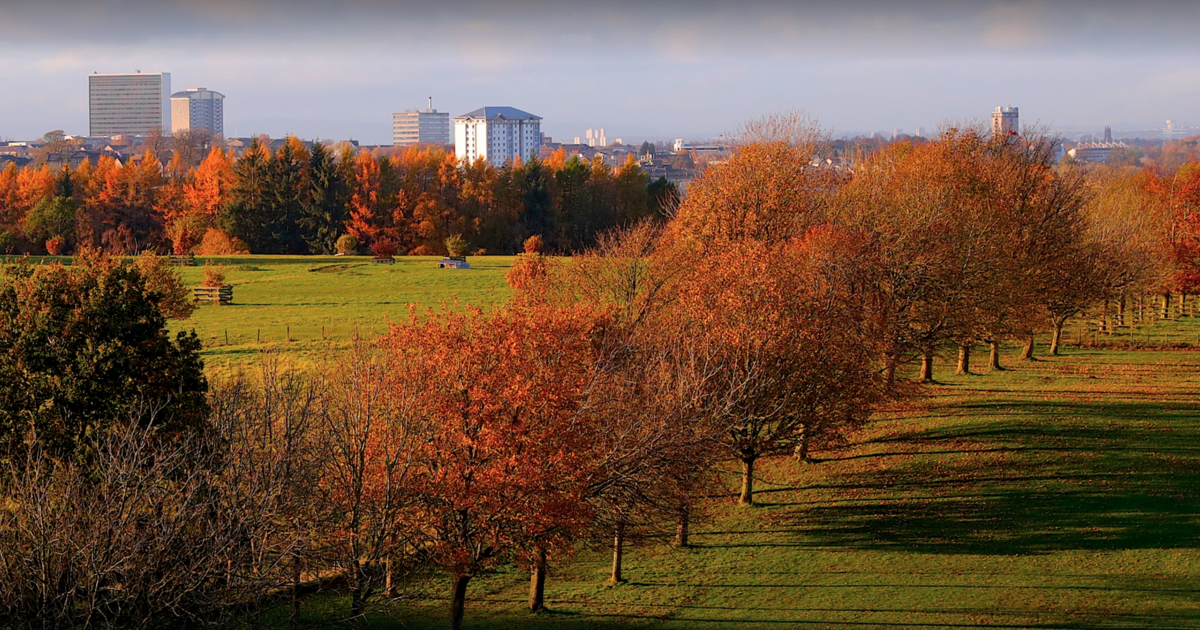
x,y
198,108
1004,122
428,126
497,135
136,104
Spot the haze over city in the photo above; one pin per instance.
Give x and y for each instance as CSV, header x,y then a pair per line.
x,y
640,70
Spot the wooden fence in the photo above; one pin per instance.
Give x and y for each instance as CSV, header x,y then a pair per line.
x,y
217,295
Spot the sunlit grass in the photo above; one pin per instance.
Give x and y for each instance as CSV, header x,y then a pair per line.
x,y
1055,494
306,304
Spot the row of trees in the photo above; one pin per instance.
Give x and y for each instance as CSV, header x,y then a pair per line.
x,y
768,318
300,198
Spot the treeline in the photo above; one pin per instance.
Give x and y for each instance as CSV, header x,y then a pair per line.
x,y
769,317
300,198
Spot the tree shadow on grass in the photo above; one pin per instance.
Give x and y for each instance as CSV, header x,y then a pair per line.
x,y
1094,477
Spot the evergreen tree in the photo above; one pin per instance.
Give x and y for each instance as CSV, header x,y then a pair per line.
x,y
324,209
247,216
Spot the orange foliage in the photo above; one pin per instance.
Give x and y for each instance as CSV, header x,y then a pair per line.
x,y
56,246
503,467
218,243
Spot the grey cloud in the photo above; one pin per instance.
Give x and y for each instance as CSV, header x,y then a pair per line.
x,y
672,28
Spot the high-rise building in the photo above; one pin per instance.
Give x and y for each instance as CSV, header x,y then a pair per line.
x,y
428,126
137,103
497,134
198,108
1004,122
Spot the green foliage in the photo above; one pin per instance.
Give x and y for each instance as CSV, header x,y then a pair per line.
x,y
86,346
50,218
347,244
324,210
456,245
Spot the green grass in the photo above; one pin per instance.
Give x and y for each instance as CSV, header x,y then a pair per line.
x,y
1056,494
323,301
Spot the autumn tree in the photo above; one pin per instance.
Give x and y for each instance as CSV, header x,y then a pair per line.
x,y
794,365
501,474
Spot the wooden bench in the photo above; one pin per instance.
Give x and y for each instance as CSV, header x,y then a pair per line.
x,y
187,260
215,295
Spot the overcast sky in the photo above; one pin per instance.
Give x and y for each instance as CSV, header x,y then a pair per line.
x,y
638,69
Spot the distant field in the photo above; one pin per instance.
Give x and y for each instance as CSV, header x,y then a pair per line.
x,y
320,301
1057,494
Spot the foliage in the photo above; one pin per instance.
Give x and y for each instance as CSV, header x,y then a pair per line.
x,y
218,243
164,286
456,245
84,348
347,244
383,248
214,276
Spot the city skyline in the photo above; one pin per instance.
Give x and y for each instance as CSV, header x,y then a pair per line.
x,y
657,70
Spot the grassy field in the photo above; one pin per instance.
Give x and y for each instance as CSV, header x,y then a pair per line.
x,y
1056,494
321,301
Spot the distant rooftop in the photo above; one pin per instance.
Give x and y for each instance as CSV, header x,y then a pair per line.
x,y
493,113
195,92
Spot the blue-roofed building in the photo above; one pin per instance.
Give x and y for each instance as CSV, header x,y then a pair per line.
x,y
497,135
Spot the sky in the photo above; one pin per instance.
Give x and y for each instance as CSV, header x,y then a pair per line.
x,y
646,69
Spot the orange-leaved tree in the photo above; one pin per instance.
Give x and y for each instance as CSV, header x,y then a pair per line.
x,y
504,467
793,362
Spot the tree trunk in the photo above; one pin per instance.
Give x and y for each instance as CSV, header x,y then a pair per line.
x,y
1121,311
1104,316
458,602
682,529
389,583
296,567
889,371
358,603
926,367
803,444
1027,352
618,553
994,356
1166,306
1056,339
964,359
537,582
747,497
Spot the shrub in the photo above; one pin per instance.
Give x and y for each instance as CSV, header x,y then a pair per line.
x,y
347,244
422,250
164,286
533,244
383,248
56,245
456,245
214,276
218,243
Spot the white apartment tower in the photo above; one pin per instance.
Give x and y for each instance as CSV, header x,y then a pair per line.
x,y
1004,122
137,103
497,134
428,126
198,108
